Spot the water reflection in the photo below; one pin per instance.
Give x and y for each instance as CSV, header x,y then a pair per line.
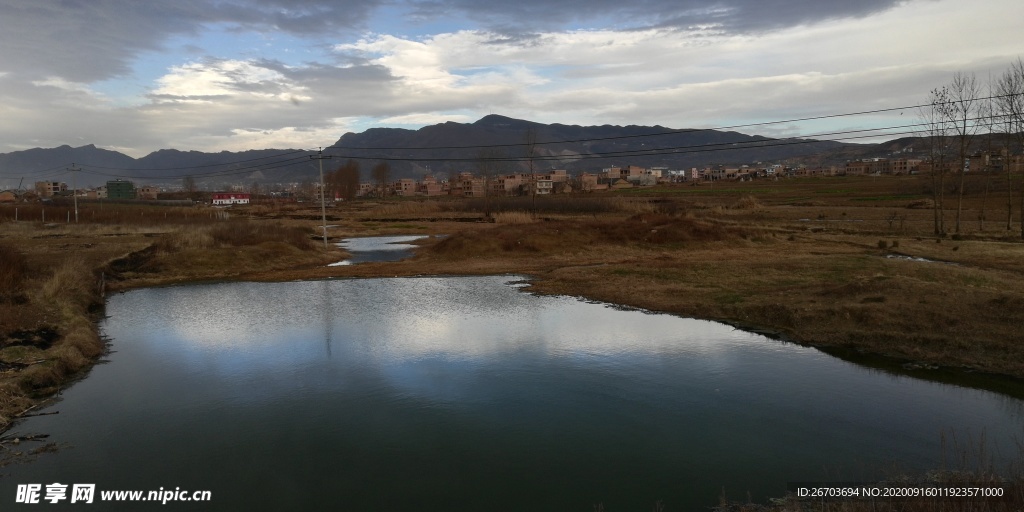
x,y
377,248
468,394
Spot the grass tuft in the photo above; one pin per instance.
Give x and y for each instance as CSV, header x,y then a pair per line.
x,y
748,202
514,218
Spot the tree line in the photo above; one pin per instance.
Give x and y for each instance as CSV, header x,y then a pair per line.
x,y
953,116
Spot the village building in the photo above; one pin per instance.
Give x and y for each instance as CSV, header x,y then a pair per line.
x,y
507,185
146,192
467,185
405,187
902,166
429,187
229,198
120,189
50,188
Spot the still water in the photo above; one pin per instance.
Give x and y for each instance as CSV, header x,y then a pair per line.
x,y
366,249
465,393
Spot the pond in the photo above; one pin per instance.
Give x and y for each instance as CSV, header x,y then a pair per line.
x,y
377,248
465,393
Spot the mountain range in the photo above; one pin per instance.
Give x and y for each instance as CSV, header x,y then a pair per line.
x,y
439,149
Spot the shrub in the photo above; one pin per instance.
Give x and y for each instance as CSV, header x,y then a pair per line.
x,y
72,285
747,203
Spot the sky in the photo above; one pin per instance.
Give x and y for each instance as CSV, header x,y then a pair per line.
x,y
216,75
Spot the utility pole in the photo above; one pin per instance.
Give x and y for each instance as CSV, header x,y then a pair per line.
x,y
323,190
74,187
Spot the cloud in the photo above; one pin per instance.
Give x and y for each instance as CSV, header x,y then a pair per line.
x,y
425,119
218,79
654,62
87,41
732,15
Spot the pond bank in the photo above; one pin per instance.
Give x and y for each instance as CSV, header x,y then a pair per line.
x,y
48,323
836,292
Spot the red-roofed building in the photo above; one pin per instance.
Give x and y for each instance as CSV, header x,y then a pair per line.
x,y
229,198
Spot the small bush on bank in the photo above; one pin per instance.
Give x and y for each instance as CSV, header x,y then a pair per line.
x,y
72,287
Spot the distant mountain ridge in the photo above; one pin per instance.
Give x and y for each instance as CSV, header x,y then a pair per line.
x,y
578,147
438,149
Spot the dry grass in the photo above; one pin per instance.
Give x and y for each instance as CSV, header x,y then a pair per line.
x,y
13,271
72,287
107,214
60,302
747,202
557,205
514,218
632,205
404,208
581,236
237,233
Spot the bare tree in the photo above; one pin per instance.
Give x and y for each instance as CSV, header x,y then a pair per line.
x,y
1002,106
344,181
961,110
488,165
306,190
935,130
1010,101
988,120
530,144
188,184
382,175
254,191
